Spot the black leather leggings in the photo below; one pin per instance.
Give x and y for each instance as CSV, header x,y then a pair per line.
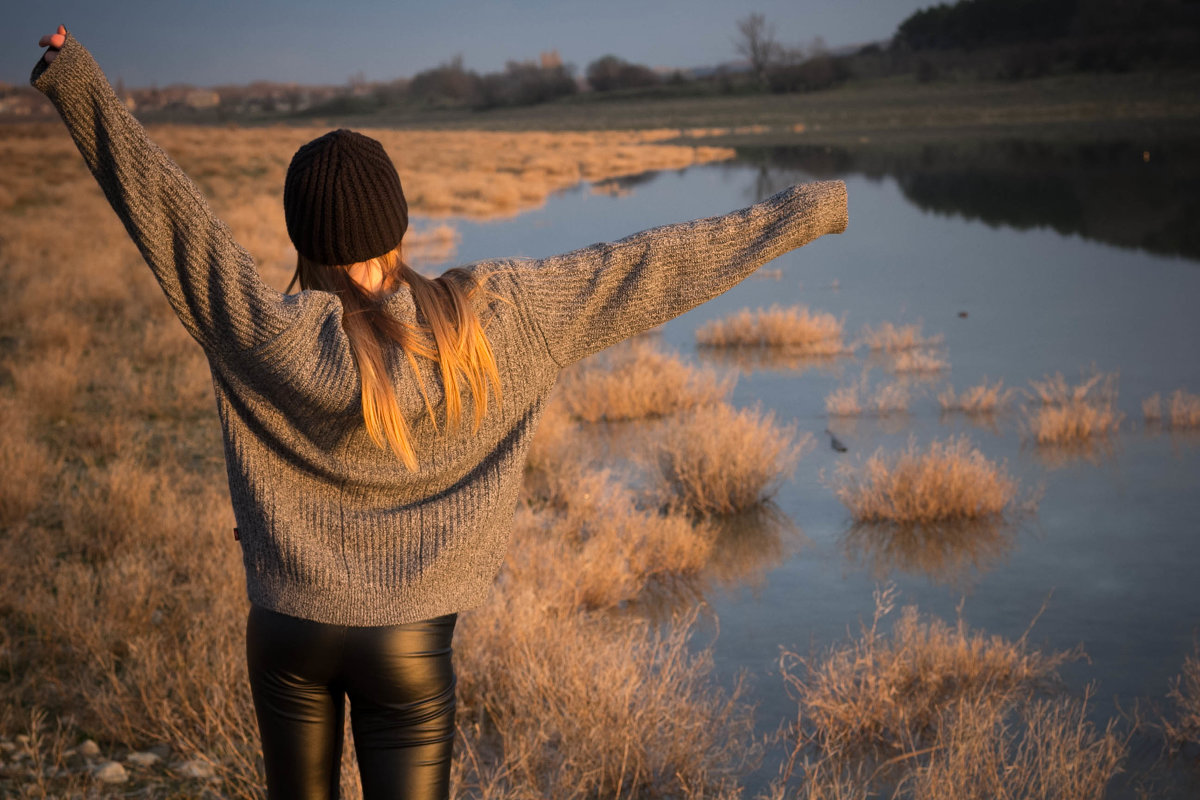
x,y
401,688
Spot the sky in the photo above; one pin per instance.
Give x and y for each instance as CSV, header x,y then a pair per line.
x,y
211,42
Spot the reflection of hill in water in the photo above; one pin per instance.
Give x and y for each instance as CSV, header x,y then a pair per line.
x,y
1104,191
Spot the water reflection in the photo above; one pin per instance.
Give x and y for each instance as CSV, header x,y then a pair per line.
x,y
1095,450
949,553
1143,195
746,547
783,359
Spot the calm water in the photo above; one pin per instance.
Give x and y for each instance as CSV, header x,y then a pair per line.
x,y
1063,258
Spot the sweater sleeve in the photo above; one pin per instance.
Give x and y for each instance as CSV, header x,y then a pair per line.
x,y
588,299
210,281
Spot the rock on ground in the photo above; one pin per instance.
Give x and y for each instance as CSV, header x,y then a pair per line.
x,y
111,772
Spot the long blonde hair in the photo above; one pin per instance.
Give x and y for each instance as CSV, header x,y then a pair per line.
x,y
451,333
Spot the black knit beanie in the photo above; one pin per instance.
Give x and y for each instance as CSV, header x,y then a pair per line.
x,y
342,199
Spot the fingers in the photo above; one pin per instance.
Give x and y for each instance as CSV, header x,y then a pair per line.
x,y
53,41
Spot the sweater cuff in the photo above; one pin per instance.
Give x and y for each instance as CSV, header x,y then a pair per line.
x,y
73,69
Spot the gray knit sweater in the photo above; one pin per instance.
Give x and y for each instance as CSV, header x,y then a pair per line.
x,y
333,528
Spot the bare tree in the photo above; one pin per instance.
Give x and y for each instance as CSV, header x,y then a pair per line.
x,y
756,41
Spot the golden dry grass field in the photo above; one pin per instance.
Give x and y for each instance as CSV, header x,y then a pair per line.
x,y
122,603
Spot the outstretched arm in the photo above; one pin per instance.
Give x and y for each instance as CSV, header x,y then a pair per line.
x,y
588,299
210,281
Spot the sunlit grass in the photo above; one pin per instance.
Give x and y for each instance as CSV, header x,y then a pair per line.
x,y
949,480
983,398
636,381
932,711
891,338
723,460
795,329
1065,414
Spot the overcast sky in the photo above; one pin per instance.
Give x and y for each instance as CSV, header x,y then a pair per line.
x,y
209,42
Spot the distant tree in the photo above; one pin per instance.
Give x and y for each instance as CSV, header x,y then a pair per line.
x,y
525,83
756,41
448,83
609,72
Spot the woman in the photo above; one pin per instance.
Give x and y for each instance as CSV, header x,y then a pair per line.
x,y
368,511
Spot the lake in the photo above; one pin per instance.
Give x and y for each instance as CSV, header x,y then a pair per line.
x,y
1029,259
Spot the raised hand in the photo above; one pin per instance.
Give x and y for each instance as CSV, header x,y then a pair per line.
x,y
53,41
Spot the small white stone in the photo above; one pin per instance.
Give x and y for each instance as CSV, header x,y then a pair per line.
x,y
195,769
89,749
111,772
145,759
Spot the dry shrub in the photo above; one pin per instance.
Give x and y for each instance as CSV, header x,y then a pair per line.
x,y
588,705
856,398
1152,411
1184,728
1183,410
921,362
1048,748
950,480
939,712
795,329
985,398
26,464
891,338
600,550
721,460
885,692
1061,414
636,381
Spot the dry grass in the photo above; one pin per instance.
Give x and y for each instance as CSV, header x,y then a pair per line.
x,y
919,362
636,381
1183,410
579,706
1152,412
1184,728
891,338
950,480
794,329
856,398
721,460
985,398
940,712
1062,414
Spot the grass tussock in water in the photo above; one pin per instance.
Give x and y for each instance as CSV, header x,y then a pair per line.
x,y
890,338
853,399
949,480
1065,414
637,381
932,711
981,399
1182,728
795,329
722,460
1183,410
919,362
